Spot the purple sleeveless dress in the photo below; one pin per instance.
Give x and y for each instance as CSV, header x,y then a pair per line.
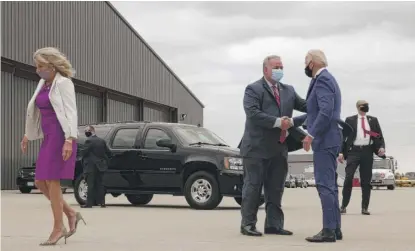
x,y
50,164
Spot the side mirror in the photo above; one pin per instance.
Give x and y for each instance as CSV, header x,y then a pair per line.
x,y
166,143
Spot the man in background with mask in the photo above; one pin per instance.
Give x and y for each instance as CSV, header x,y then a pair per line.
x,y
95,155
268,106
325,137
358,149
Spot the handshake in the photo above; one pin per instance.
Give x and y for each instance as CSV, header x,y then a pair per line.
x,y
286,123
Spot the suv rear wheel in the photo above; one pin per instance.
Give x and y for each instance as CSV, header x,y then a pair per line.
x,y
139,199
201,191
80,190
239,201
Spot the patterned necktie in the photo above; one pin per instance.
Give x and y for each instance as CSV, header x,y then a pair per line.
x,y
283,134
276,95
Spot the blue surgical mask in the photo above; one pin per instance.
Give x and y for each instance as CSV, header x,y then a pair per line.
x,y
45,74
277,74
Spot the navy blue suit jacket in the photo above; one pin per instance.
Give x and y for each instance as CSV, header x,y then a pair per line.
x,y
323,111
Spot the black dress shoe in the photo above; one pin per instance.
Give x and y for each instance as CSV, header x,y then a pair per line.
x,y
365,211
250,231
325,235
86,206
343,210
339,234
273,230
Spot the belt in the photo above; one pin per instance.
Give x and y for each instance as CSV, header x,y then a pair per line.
x,y
360,146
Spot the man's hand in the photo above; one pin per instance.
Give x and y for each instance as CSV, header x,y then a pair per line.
x,y
340,159
307,143
285,123
381,152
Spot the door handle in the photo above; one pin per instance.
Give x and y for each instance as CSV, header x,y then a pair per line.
x,y
143,156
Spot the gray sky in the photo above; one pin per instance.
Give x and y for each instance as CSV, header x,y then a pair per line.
x,y
217,49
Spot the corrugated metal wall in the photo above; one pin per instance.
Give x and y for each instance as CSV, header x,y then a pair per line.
x,y
101,47
88,108
15,94
156,113
120,111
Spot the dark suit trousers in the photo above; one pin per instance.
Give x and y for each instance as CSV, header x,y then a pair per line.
x,y
96,191
325,167
362,157
271,174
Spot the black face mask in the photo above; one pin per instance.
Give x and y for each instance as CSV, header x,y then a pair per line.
x,y
308,71
88,134
364,108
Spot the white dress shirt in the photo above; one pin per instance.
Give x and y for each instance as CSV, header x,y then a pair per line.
x,y
361,140
319,71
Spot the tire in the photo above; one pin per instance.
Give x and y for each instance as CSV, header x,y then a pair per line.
x,y
25,189
80,190
201,191
239,201
139,199
391,187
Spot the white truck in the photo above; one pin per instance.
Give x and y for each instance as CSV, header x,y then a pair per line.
x,y
383,173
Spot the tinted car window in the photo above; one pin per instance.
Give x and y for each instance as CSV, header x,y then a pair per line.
x,y
125,138
152,136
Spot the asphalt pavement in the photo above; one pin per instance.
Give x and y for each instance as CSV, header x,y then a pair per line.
x,y
168,224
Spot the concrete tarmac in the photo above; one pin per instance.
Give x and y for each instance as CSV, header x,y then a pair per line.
x,y
168,224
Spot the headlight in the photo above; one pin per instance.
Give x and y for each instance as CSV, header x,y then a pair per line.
x,y
235,164
390,176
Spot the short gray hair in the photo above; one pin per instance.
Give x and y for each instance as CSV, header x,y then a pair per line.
x,y
318,56
361,102
267,59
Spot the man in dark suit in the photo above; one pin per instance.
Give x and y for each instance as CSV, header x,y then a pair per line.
x,y
358,150
268,106
95,155
325,137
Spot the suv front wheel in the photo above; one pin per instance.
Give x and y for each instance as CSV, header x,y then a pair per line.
x,y
80,190
25,189
201,191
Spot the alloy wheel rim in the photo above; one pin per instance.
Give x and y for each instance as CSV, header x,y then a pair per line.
x,y
201,191
83,190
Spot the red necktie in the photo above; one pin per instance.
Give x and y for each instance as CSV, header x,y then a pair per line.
x,y
364,127
283,134
366,132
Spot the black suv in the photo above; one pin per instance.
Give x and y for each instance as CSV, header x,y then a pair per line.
x,y
166,158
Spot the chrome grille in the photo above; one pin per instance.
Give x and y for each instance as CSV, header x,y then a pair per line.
x,y
376,176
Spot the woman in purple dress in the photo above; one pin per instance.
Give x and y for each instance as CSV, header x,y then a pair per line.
x,y
52,116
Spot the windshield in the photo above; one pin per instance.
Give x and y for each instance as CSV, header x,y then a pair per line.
x,y
198,135
381,164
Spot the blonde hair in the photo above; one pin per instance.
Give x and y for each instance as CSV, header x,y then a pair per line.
x,y
56,59
318,56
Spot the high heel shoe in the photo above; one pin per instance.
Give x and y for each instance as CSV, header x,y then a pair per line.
x,y
78,219
64,234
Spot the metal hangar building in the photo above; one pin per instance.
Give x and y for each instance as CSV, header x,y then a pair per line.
x,y
119,77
